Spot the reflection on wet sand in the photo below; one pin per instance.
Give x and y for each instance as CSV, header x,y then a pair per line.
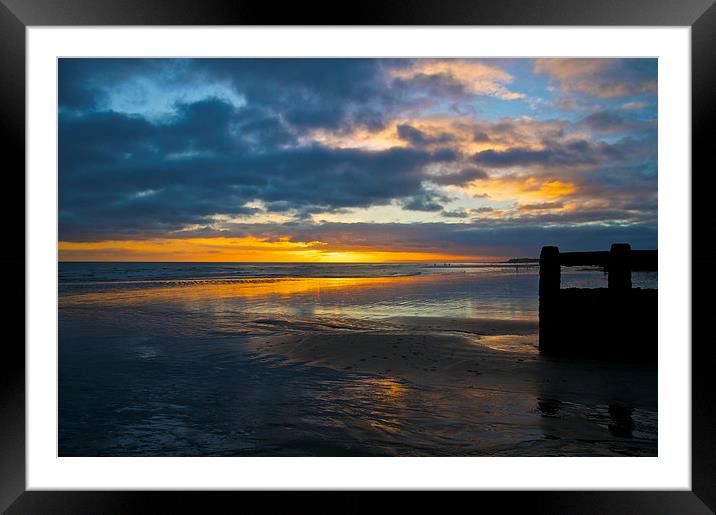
x,y
387,391
305,366
622,421
612,404
196,290
583,405
549,407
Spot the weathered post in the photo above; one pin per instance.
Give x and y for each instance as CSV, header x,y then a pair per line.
x,y
619,273
549,284
549,271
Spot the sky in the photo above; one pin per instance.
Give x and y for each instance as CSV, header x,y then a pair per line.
x,y
354,160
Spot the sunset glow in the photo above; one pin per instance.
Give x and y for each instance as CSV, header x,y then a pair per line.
x,y
241,250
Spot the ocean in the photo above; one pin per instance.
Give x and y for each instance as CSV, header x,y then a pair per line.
x,y
153,361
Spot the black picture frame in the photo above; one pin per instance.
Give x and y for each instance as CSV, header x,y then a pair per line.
x,y
17,15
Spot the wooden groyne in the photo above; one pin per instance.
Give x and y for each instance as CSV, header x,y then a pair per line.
x,y
618,322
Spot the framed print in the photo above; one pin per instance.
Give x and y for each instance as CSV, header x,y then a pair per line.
x,y
413,249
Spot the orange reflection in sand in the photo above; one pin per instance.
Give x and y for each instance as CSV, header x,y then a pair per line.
x,y
195,290
389,388
390,391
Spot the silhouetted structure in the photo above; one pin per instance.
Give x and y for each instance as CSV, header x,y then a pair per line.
x,y
618,322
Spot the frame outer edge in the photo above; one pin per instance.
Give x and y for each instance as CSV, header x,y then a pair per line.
x,y
703,401
367,12
12,363
12,53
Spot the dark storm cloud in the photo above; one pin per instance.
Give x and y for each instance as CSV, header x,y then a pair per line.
x,y
76,90
304,92
425,201
460,178
419,138
460,213
565,154
123,172
309,92
443,155
611,122
433,86
540,206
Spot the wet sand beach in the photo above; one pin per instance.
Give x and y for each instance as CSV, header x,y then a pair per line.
x,y
394,360
474,354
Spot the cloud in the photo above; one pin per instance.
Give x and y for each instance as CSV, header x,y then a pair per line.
x,y
540,206
442,131
426,200
524,188
603,78
635,105
418,138
211,160
614,122
457,77
460,213
460,178
501,238
576,152
189,148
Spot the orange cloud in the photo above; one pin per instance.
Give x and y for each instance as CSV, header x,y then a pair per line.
x,y
564,69
592,76
522,189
